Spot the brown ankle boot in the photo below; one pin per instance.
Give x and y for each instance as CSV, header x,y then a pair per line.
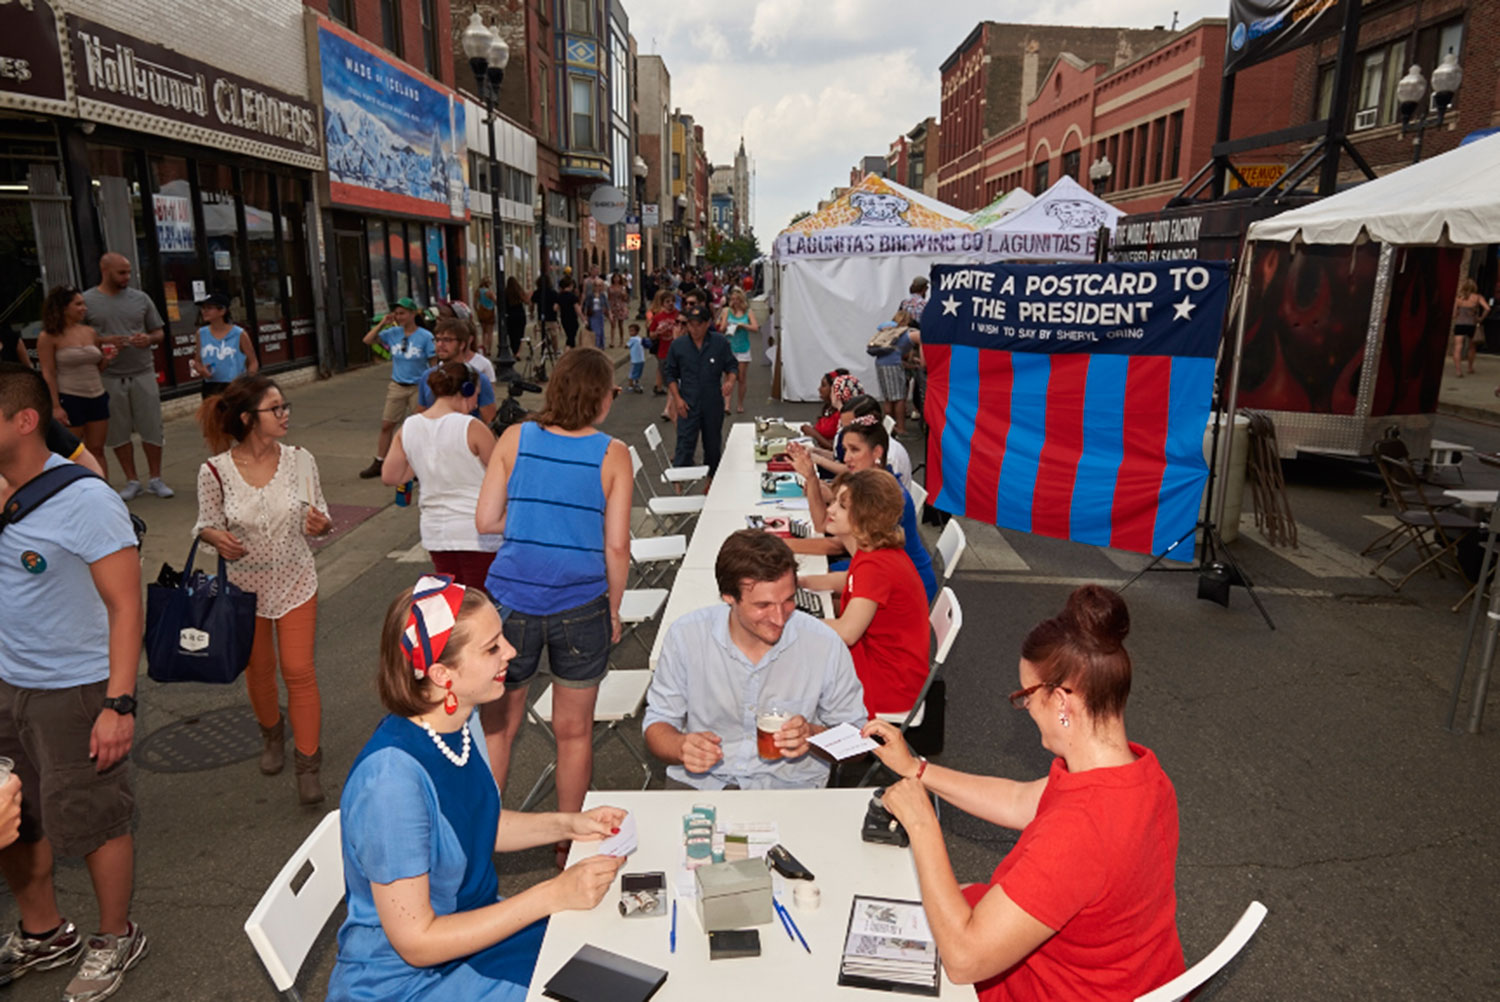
x,y
273,755
309,789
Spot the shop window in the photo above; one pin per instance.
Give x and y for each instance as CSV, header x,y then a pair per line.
x,y
221,232
382,292
35,233
263,252
116,175
396,251
420,290
184,267
438,277
295,267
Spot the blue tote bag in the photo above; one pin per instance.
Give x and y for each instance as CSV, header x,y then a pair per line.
x,y
199,627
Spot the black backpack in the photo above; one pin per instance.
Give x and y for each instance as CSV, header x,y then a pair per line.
x,y
33,493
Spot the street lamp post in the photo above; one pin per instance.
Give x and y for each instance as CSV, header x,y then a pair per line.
x,y
1410,90
488,55
1100,171
639,168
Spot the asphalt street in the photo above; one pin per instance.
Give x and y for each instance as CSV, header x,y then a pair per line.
x,y
1311,766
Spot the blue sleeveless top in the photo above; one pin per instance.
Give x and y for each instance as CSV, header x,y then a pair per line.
x,y
552,558
225,360
406,811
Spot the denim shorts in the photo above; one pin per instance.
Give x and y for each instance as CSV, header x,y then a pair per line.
x,y
577,642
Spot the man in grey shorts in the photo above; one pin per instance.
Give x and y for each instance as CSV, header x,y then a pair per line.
x,y
127,319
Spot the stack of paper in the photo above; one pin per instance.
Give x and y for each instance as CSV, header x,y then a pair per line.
x,y
890,946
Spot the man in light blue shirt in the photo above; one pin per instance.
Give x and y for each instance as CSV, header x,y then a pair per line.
x,y
720,665
70,641
452,340
411,348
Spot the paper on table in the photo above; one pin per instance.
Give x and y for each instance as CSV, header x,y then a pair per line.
x,y
623,842
842,742
793,504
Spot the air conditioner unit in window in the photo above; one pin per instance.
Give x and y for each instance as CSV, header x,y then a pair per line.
x,y
1365,119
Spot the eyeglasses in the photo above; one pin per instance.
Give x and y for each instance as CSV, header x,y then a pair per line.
x,y
280,410
1020,696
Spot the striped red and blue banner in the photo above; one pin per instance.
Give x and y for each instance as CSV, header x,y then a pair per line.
x,y
1070,400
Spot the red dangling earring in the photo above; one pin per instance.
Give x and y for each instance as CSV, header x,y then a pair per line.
x,y
450,701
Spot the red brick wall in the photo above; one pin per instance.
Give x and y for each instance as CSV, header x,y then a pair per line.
x,y
367,25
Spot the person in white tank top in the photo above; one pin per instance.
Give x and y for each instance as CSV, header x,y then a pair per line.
x,y
447,451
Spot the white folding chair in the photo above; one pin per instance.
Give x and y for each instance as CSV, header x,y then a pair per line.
x,y
951,546
638,606
654,556
890,424
684,477
946,619
287,920
621,696
1179,987
918,495
671,512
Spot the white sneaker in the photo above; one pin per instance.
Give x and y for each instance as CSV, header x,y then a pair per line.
x,y
105,961
155,486
131,490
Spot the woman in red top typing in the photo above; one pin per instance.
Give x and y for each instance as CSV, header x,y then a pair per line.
x,y
1084,906
883,611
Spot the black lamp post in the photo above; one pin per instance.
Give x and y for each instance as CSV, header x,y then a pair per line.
x,y
1411,88
639,168
488,54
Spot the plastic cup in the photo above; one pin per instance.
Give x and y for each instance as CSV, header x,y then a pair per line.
x,y
767,723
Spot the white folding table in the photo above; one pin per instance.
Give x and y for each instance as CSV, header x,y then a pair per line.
x,y
819,827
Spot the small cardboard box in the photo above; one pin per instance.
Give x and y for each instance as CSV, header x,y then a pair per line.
x,y
733,895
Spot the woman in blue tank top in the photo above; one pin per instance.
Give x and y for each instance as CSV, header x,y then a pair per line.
x,y
559,490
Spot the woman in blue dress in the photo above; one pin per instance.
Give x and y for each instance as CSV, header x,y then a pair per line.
x,y
420,819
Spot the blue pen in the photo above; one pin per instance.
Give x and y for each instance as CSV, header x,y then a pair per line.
x,y
793,922
781,914
672,938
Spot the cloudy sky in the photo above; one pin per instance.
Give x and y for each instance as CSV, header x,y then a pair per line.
x,y
813,85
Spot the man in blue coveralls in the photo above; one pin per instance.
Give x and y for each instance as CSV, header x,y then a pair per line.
x,y
699,371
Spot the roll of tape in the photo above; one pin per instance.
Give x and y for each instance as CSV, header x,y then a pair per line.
x,y
806,896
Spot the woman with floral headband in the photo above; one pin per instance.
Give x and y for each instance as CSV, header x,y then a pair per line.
x,y
420,820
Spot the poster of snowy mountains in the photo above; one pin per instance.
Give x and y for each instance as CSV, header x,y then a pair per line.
x,y
393,141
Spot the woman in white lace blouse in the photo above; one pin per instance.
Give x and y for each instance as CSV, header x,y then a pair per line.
x,y
258,501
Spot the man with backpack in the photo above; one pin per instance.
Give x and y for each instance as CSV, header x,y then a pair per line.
x,y
69,645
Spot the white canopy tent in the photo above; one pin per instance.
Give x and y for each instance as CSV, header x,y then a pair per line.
x,y
842,271
1008,204
1061,224
1454,197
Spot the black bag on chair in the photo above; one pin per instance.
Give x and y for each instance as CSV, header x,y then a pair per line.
x,y
199,628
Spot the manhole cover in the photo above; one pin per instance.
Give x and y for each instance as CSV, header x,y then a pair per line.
x,y
205,741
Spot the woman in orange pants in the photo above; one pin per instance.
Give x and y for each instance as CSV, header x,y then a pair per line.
x,y
258,501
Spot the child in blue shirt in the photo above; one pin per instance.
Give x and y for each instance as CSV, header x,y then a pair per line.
x,y
637,346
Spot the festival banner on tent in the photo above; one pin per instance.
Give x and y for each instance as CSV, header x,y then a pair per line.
x,y
1070,400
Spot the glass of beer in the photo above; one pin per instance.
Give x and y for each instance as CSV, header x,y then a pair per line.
x,y
769,720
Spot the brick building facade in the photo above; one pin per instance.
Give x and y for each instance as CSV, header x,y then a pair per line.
x,y
989,80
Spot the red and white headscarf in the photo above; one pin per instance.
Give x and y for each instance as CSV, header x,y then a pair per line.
x,y
845,389
434,611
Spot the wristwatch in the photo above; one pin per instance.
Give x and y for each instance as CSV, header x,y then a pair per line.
x,y
121,704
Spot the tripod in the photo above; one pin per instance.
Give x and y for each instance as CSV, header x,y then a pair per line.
x,y
537,359
1216,568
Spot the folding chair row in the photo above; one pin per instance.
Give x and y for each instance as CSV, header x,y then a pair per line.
x,y
685,477
672,512
1433,531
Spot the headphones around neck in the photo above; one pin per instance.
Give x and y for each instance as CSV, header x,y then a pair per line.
x,y
470,384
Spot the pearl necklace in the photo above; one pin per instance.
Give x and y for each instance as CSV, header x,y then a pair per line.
x,y
460,759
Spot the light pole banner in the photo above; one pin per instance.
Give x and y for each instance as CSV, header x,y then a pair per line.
x,y
1070,400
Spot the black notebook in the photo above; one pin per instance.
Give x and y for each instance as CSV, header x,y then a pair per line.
x,y
889,947
595,975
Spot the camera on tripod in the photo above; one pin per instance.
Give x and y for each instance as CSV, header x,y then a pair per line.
x,y
880,825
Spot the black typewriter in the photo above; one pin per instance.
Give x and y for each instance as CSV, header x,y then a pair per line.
x,y
810,602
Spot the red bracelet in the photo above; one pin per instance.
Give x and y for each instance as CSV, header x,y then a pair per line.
x,y
920,769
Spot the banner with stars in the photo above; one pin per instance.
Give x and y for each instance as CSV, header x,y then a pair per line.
x,y
1070,400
